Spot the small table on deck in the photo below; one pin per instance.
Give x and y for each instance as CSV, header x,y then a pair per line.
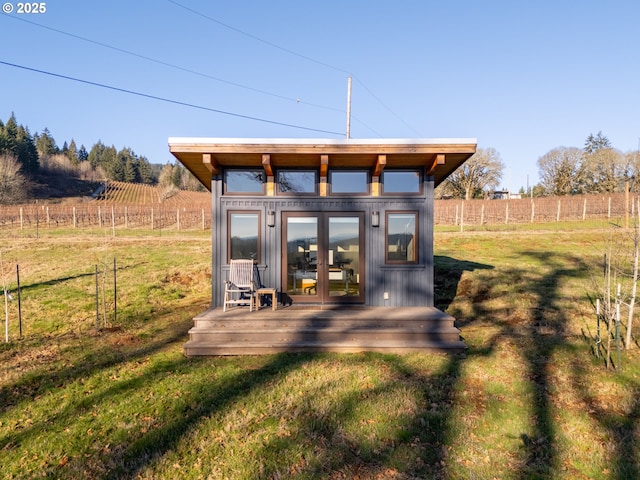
x,y
267,291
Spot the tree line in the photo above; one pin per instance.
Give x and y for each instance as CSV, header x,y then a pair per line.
x,y
27,161
597,167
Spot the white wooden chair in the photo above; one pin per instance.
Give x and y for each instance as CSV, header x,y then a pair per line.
x,y
241,284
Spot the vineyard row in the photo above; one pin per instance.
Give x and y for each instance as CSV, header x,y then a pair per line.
x,y
104,216
535,210
446,213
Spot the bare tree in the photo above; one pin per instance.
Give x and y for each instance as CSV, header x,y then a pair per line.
x,y
13,184
632,168
561,171
481,172
605,171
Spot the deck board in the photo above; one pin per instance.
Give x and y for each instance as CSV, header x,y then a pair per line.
x,y
322,328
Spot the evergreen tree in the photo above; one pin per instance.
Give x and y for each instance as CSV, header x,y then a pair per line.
x,y
101,155
11,128
83,155
26,150
9,136
115,170
5,144
127,164
145,171
72,153
593,144
130,172
45,143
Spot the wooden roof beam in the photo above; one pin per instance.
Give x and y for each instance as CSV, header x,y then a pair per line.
x,y
381,162
439,160
210,164
324,165
266,164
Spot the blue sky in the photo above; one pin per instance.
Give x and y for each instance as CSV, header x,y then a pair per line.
x,y
521,77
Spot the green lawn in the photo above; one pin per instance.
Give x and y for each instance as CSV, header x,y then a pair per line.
x,y
529,399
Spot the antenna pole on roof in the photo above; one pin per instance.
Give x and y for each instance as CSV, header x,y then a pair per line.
x,y
349,107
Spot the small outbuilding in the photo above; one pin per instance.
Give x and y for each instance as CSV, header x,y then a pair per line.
x,y
342,230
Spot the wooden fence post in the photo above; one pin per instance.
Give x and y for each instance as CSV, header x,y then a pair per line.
x,y
626,204
506,213
482,215
558,212
462,216
584,210
21,221
533,210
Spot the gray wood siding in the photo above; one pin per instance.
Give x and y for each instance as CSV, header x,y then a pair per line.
x,y
407,285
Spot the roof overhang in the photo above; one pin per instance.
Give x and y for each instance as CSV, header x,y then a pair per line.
x,y
206,157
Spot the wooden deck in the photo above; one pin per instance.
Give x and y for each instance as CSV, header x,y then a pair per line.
x,y
322,329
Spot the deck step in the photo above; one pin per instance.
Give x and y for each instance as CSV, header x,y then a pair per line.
x,y
390,330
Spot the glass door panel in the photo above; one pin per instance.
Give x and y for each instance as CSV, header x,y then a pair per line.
x,y
343,257
302,255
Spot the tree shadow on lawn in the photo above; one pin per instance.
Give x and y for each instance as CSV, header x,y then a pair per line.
x,y
537,339
447,275
94,360
620,423
55,281
419,446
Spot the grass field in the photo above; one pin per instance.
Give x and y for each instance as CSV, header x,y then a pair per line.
x,y
529,399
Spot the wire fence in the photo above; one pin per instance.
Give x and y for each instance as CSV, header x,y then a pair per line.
x,y
580,211
588,211
35,217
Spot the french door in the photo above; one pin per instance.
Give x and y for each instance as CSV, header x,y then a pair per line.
x,y
323,259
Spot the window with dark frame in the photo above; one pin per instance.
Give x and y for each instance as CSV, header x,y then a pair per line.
x,y
402,237
297,181
401,181
243,235
244,181
352,182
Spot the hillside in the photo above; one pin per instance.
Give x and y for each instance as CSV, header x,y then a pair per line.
x,y
54,186
141,194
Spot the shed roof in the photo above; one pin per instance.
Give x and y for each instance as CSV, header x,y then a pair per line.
x,y
205,157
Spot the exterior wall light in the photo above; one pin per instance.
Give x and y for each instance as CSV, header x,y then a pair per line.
x,y
271,218
375,218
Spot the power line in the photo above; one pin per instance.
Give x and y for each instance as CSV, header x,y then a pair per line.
x,y
387,108
161,62
291,52
194,72
261,40
167,100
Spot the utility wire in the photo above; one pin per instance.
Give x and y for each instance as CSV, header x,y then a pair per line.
x,y
291,52
161,62
261,40
387,108
194,72
167,100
